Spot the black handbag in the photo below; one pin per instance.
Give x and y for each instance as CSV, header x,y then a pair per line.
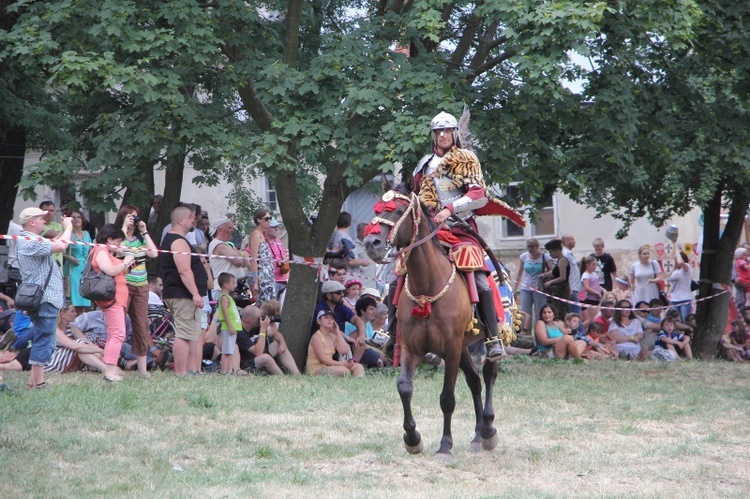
x,y
96,286
29,295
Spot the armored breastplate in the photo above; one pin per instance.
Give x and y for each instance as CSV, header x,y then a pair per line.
x,y
463,206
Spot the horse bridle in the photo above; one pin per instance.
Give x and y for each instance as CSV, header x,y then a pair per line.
x,y
414,208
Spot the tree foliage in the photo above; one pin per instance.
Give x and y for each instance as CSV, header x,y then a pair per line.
x,y
344,89
665,123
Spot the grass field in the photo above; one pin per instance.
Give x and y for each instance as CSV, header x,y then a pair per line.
x,y
613,429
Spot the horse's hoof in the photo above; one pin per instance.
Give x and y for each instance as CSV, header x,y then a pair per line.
x,y
414,449
444,457
490,443
475,446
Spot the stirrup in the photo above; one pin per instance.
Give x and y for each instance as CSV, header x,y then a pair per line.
x,y
501,346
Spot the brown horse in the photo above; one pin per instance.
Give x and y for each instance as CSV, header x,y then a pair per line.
x,y
434,311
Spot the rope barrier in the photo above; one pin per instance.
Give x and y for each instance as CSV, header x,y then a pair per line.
x,y
724,289
316,262
307,261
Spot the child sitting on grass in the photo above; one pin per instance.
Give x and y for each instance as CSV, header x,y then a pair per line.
x,y
598,346
670,343
736,343
229,321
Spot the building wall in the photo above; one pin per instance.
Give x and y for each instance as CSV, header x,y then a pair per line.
x,y
580,221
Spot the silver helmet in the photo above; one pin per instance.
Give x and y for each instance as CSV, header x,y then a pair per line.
x,y
441,122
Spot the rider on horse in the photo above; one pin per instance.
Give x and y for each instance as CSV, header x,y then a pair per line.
x,y
450,182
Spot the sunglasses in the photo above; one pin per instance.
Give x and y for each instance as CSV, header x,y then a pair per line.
x,y
267,219
337,293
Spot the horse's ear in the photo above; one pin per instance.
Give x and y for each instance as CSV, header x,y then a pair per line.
x,y
386,183
408,182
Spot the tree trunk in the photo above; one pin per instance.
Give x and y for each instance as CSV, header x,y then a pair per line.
x,y
716,272
12,151
172,191
306,240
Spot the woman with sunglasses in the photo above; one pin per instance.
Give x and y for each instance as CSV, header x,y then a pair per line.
x,y
261,259
626,331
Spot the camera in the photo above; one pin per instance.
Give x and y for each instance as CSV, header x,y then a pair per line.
x,y
274,318
136,220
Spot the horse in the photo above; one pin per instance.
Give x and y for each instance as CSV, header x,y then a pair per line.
x,y
434,315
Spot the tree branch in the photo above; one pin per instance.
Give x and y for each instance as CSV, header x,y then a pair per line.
x,y
291,34
467,38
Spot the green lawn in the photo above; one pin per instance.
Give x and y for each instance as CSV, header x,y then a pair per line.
x,y
595,429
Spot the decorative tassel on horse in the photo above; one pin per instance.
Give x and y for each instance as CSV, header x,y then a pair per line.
x,y
423,310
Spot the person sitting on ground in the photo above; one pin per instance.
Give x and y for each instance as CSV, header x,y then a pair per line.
x,y
552,337
252,342
328,349
380,321
679,326
626,331
650,320
372,292
70,353
276,345
365,309
604,319
351,293
333,297
664,347
6,329
229,320
596,349
736,344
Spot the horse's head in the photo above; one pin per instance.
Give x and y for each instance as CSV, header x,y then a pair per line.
x,y
397,217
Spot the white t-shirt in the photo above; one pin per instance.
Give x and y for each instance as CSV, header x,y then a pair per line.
x,y
219,265
154,300
681,280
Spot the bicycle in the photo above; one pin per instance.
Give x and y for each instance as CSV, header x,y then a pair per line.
x,y
162,330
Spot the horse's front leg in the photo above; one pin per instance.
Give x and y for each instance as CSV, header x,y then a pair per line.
x,y
448,401
412,438
475,385
489,433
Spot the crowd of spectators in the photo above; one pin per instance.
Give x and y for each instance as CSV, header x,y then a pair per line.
x,y
224,295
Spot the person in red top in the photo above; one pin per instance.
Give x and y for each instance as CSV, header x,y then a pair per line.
x,y
451,183
104,259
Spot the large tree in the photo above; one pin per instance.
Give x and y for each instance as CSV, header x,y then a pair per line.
x,y
340,89
30,117
665,130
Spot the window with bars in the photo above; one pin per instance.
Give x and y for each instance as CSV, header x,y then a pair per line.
x,y
542,225
271,200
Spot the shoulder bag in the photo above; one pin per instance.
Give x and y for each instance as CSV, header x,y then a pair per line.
x,y
29,296
96,286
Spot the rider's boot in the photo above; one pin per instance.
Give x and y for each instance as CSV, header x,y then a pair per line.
x,y
486,308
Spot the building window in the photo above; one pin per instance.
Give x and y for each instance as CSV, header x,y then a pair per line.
x,y
542,225
271,201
